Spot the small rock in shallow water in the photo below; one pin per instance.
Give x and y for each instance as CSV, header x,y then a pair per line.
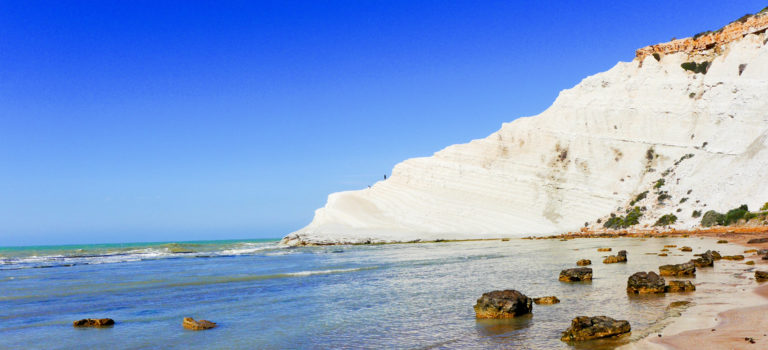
x,y
645,283
751,262
757,240
733,257
685,269
576,275
603,249
679,286
546,300
584,262
761,275
585,328
686,249
94,322
503,304
190,323
722,241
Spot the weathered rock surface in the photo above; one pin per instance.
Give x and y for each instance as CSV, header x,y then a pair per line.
x,y
680,286
584,262
546,300
576,275
722,241
686,249
645,283
604,249
761,275
585,328
684,269
94,322
757,240
190,323
503,304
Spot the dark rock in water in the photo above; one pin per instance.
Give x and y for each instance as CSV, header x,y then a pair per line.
x,y
761,275
584,262
190,323
686,249
762,252
705,260
677,304
685,269
585,328
503,304
645,283
546,300
722,241
94,322
757,240
680,286
576,275
603,249
733,257
620,257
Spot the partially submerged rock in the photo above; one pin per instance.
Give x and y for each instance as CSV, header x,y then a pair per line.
x,y
686,249
722,241
603,249
190,323
94,322
584,262
684,269
733,257
680,286
757,240
576,275
620,257
503,304
585,328
645,283
761,275
670,246
546,300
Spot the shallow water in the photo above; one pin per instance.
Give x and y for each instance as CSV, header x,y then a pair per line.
x,y
381,296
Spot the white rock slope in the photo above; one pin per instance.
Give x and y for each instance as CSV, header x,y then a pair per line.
x,y
598,146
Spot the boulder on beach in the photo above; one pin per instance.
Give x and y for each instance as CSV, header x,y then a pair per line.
x,y
603,249
645,283
761,275
576,275
503,304
757,240
190,323
94,322
585,328
684,269
680,286
546,300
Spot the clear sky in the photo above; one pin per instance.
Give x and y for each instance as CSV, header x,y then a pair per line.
x,y
124,121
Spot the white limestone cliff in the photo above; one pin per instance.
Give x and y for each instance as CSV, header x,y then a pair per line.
x,y
600,144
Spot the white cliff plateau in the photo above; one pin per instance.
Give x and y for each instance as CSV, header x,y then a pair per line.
x,y
599,145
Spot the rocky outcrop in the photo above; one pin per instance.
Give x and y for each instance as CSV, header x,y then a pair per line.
x,y
709,40
761,275
503,304
645,283
584,262
546,300
576,275
686,269
585,328
94,322
680,286
620,257
191,324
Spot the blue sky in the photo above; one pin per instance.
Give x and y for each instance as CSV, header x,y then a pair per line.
x,y
125,121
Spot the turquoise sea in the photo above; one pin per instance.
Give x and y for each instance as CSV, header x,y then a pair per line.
x,y
267,296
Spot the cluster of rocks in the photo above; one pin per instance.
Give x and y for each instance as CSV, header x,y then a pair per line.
x,y
188,323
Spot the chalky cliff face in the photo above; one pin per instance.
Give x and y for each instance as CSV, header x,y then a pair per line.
x,y
600,145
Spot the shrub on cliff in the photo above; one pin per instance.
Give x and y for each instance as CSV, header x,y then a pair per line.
x,y
665,220
736,214
632,218
696,213
696,67
712,218
641,196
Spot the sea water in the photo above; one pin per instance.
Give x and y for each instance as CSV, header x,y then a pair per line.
x,y
267,296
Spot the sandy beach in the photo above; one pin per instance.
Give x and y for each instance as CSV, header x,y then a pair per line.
x,y
731,320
